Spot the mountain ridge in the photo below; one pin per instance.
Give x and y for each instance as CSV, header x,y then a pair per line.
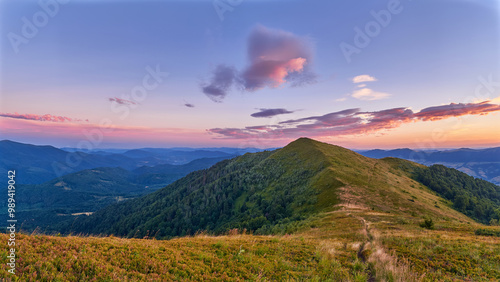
x,y
271,192
37,164
328,214
481,163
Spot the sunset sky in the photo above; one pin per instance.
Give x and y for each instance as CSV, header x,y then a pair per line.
x,y
252,73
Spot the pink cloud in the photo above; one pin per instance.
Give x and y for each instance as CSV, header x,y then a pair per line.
x,y
353,122
275,57
46,117
455,110
271,73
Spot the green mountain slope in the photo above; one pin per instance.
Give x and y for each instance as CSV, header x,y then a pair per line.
x,y
49,203
346,218
271,192
477,198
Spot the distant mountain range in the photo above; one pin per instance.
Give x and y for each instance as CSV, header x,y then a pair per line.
x,y
52,182
38,164
480,163
228,150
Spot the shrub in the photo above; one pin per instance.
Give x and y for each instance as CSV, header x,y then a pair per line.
x,y
427,224
487,232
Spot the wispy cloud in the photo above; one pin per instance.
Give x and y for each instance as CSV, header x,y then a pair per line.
x,y
189,105
368,94
354,121
363,78
455,110
47,117
122,101
266,113
275,57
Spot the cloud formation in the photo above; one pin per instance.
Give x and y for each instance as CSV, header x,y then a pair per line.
x,y
122,101
455,110
354,121
367,94
222,79
276,57
189,105
363,78
266,113
46,117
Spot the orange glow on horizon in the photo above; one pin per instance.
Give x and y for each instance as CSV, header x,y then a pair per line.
x,y
473,131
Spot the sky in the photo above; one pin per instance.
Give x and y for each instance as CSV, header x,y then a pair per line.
x,y
250,73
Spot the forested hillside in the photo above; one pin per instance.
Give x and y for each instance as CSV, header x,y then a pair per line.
x,y
274,192
263,192
44,205
477,198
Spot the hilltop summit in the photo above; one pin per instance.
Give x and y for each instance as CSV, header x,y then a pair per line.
x,y
270,191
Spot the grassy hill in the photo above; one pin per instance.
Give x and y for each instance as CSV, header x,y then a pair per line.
x,y
316,212
268,193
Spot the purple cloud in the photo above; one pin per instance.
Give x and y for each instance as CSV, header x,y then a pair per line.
x,y
354,121
455,110
275,57
122,101
223,78
266,113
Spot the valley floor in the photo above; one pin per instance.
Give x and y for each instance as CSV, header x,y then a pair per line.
x,y
350,244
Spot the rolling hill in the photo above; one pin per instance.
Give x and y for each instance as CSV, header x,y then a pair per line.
x,y
308,211
274,191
